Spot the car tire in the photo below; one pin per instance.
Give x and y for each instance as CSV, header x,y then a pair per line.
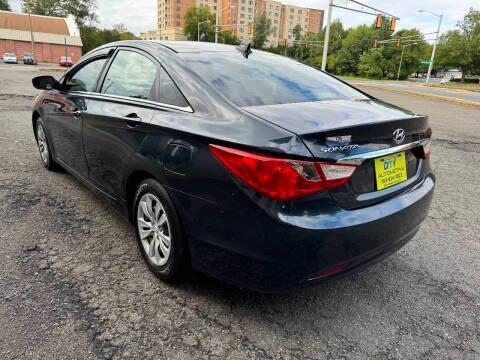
x,y
44,147
156,221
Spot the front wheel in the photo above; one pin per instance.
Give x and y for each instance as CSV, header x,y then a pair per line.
x,y
158,231
44,148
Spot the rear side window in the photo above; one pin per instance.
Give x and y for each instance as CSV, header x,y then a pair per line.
x,y
85,79
131,74
169,93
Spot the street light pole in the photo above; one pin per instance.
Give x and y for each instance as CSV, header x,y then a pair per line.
x,y
217,25
327,36
401,59
198,28
219,5
430,66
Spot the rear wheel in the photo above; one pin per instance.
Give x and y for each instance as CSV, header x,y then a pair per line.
x,y
158,231
44,148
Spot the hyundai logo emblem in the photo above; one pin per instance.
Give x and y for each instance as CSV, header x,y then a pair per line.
x,y
399,136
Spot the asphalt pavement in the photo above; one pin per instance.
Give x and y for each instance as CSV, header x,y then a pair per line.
x,y
415,88
73,284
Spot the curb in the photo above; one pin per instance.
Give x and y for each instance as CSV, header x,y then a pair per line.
x,y
433,96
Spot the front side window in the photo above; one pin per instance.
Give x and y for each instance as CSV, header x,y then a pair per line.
x,y
267,79
86,78
131,74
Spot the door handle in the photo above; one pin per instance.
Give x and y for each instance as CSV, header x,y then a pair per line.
x,y
132,123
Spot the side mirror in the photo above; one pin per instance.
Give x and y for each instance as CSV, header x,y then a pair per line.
x,y
45,83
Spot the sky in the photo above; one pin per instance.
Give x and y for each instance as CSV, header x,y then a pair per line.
x,y
140,15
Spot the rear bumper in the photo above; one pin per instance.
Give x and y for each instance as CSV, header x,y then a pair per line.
x,y
253,249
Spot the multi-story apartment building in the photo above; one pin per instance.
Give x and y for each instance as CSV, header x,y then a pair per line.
x,y
273,10
236,15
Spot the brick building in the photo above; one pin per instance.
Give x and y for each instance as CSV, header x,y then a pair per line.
x,y
49,33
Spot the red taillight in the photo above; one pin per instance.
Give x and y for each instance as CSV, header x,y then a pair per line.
x,y
282,179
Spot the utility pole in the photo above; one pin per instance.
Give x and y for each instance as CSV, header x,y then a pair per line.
x,y
327,36
31,29
66,49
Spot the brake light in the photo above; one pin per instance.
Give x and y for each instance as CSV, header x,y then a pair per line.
x,y
282,179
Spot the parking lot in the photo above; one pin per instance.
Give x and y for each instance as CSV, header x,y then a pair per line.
x,y
73,284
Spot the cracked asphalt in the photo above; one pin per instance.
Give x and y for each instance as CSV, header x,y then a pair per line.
x,y
73,284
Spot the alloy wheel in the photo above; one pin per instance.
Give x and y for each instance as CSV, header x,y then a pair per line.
x,y
154,229
42,143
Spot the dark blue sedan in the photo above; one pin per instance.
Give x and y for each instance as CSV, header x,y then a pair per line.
x,y
245,165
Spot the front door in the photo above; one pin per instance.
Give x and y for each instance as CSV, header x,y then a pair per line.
x,y
64,120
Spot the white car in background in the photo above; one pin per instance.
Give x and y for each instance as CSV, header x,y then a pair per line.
x,y
10,58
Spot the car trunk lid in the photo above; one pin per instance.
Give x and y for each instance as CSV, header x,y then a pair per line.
x,y
354,132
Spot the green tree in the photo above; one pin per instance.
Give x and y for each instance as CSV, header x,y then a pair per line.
x,y
262,28
372,64
193,17
227,37
357,41
337,34
93,37
415,52
461,47
82,10
4,5
297,32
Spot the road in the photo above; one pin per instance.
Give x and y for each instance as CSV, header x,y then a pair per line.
x,y
420,89
73,284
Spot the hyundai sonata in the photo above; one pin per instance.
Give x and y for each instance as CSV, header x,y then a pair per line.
x,y
245,165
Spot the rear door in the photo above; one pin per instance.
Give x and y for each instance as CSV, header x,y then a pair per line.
x,y
116,119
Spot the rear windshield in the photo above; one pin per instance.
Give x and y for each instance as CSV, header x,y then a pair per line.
x,y
266,79
9,54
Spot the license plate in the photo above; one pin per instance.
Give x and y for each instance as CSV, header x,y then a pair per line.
x,y
390,170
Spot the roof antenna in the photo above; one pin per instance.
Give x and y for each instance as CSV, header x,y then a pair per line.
x,y
245,49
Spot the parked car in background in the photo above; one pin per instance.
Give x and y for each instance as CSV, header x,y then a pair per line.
x,y
29,59
248,166
10,58
65,61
